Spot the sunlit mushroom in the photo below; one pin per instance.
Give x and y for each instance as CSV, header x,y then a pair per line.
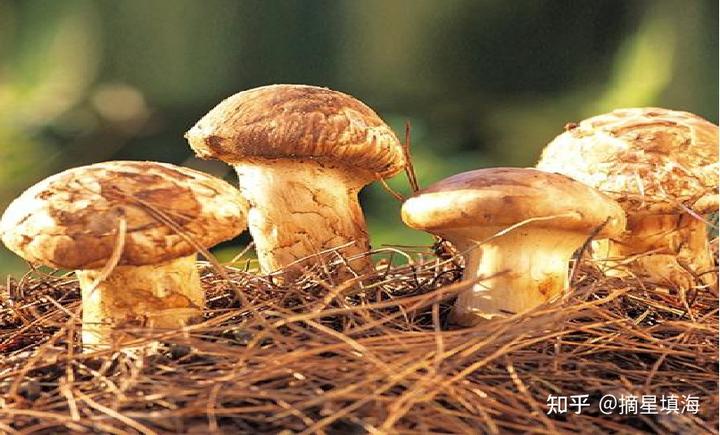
x,y
131,231
517,230
302,154
662,167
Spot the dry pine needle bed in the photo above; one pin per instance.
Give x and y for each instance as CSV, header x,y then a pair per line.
x,y
303,358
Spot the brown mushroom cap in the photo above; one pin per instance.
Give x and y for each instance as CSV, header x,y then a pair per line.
x,y
507,196
651,160
297,121
70,220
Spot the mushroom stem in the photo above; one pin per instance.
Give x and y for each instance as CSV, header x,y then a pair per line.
x,y
301,208
165,295
515,272
667,249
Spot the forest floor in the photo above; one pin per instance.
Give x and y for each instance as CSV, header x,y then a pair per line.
x,y
376,357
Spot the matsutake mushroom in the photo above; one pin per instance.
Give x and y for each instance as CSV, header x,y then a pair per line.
x,y
131,231
302,154
662,167
517,230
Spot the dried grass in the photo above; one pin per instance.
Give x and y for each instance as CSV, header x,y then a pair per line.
x,y
309,358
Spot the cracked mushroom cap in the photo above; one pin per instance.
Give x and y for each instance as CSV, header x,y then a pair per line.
x,y
298,121
71,220
651,160
507,196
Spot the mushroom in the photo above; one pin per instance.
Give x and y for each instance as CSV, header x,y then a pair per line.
x,y
302,154
149,218
662,167
517,229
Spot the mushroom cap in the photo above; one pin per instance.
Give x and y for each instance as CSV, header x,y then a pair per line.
x,y
507,196
71,219
298,121
651,160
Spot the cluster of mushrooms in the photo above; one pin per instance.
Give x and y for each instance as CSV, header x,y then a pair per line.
x,y
639,183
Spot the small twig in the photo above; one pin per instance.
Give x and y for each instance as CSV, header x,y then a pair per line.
x,y
409,168
390,190
583,249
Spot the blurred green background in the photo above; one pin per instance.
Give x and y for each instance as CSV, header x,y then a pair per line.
x,y
483,82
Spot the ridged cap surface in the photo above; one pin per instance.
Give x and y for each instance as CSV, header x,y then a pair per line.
x,y
297,121
71,219
651,160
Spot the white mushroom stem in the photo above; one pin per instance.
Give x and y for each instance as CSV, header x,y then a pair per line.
x,y
165,295
665,249
301,208
515,272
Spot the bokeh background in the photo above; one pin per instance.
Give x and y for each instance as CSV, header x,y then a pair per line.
x,y
482,82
